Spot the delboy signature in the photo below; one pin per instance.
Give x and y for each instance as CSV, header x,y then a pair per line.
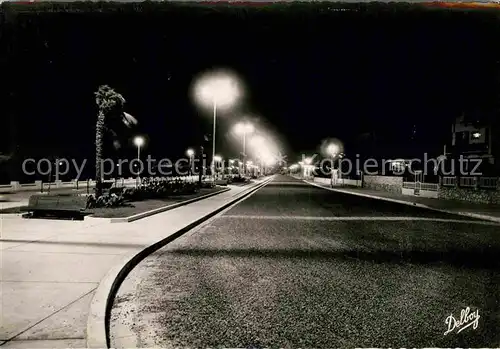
x,y
467,319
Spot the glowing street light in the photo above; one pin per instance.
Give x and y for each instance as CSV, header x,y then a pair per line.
x,y
190,154
332,149
218,89
139,142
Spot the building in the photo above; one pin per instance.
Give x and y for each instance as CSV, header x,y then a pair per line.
x,y
473,139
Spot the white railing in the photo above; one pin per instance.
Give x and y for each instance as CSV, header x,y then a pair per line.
x,y
352,182
421,186
449,181
429,186
467,182
322,180
481,182
488,182
409,185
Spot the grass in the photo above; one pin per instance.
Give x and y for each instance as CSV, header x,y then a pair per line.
x,y
137,207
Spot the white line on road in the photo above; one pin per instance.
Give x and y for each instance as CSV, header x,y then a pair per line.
x,y
361,218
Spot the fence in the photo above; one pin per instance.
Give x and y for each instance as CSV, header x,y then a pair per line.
x,y
470,182
41,186
421,186
428,190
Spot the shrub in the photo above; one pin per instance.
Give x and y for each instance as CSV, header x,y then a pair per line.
x,y
107,200
159,188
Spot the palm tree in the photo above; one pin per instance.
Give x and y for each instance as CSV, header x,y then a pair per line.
x,y
110,106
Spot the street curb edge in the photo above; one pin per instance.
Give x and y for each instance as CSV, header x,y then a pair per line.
x,y
164,208
102,301
413,204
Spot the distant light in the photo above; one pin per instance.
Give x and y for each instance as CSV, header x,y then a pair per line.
x,y
221,87
308,161
217,158
244,128
139,141
332,149
476,134
190,152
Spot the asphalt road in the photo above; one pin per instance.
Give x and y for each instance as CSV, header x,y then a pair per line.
x,y
298,266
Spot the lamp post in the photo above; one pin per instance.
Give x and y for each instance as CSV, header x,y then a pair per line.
x,y
219,90
190,154
244,129
139,142
332,150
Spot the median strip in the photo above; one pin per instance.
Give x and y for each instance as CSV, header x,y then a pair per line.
x,y
164,208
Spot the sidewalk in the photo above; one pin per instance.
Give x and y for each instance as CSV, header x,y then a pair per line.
x,y
481,211
51,269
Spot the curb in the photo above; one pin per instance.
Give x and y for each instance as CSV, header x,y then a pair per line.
x,y
164,208
102,302
413,204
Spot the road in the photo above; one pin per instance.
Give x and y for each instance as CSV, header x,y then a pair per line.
x,y
298,266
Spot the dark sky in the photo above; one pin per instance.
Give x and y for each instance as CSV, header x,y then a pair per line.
x,y
311,72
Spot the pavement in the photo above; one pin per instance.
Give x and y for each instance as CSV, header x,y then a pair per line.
x,y
297,266
482,211
52,268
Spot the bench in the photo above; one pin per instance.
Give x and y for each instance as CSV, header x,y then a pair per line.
x,y
61,206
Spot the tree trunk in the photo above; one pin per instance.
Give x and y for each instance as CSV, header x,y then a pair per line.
x,y
99,134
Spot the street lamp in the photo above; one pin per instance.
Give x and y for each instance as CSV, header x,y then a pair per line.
x,y
190,154
333,148
139,142
244,129
218,89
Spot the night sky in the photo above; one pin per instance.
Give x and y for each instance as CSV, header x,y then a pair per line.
x,y
310,72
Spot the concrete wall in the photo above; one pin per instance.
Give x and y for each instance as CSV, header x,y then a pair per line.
x,y
386,183
482,196
339,182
